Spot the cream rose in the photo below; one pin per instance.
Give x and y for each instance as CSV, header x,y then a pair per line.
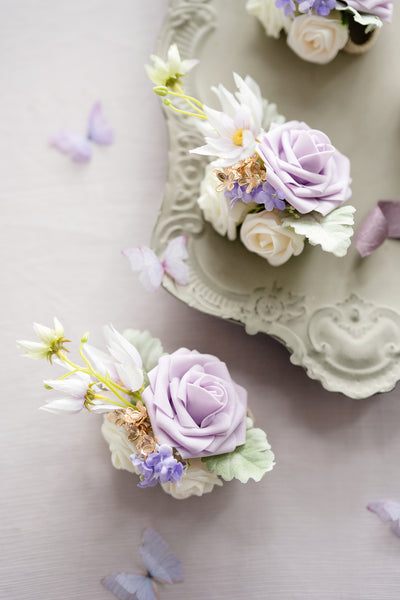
x,y
317,39
216,207
196,482
264,234
271,17
120,447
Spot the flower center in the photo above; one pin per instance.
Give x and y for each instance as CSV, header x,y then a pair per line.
x,y
172,80
238,137
90,396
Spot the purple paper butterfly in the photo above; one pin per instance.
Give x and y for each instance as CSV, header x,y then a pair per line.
x,y
161,565
152,270
79,147
387,510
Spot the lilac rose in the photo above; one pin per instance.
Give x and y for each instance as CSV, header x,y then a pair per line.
x,y
380,8
194,405
304,166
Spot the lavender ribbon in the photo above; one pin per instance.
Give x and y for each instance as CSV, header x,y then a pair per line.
x,y
382,222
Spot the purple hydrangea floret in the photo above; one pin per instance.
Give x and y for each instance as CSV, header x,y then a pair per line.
x,y
321,7
324,7
288,6
269,196
238,192
160,466
262,194
306,6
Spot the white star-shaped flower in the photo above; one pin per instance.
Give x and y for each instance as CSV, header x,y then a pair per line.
x,y
75,391
77,394
169,73
51,341
123,363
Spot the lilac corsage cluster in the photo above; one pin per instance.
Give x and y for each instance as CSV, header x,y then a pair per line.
x,y
275,184
318,29
178,420
158,467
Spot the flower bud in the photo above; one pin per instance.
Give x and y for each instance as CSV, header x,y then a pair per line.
x,y
160,90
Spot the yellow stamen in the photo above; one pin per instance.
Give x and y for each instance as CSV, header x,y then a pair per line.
x,y
238,137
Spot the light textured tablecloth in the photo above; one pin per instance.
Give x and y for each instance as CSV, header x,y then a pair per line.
x,y
69,518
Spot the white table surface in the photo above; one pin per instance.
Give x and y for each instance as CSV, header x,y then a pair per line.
x,y
69,518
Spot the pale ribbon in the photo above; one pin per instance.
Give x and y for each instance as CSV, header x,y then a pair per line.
x,y
382,222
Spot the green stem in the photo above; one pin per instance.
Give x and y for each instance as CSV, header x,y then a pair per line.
x,y
91,371
62,356
107,381
184,112
199,110
68,374
100,397
122,389
83,357
191,98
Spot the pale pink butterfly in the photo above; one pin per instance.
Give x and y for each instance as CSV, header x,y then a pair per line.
x,y
79,147
387,510
161,564
144,260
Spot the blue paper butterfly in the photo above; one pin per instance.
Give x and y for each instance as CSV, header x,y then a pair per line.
x,y
161,565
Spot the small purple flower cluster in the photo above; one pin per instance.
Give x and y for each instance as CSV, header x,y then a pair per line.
x,y
288,6
269,196
262,194
160,466
321,7
238,192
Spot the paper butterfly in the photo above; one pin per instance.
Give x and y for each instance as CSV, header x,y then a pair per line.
x,y
79,147
161,565
152,270
387,510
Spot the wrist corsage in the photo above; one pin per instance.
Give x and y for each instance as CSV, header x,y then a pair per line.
x,y
278,183
176,419
318,29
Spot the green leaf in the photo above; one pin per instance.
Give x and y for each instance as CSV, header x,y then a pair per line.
x,y
149,348
250,461
333,232
370,22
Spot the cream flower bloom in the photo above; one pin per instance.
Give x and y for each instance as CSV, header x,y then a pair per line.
x,y
196,482
216,207
169,73
264,234
120,447
271,17
317,39
51,341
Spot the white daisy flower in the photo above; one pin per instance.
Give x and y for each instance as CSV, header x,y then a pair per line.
x,y
231,134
